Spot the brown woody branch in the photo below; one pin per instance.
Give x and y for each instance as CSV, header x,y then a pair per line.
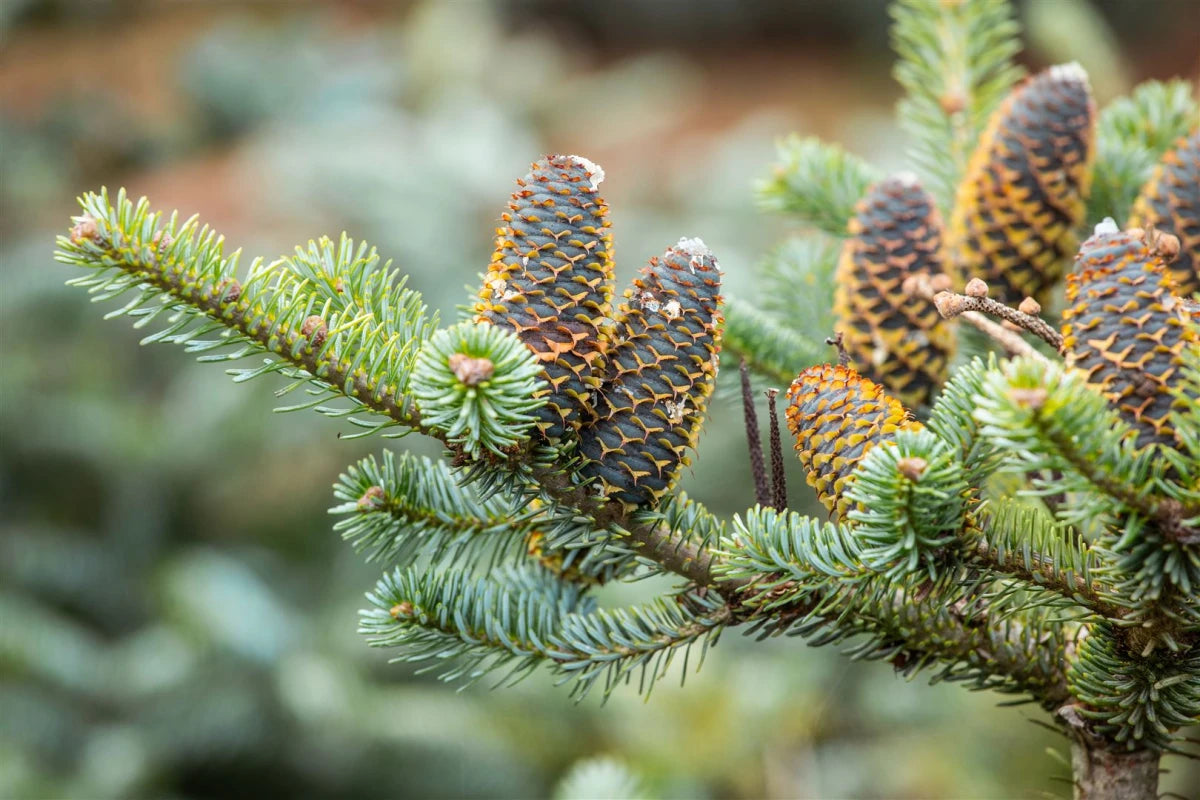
x,y
976,299
932,287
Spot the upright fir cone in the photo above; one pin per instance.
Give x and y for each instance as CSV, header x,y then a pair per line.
x,y
662,367
836,416
1024,189
1170,201
892,337
551,281
1124,327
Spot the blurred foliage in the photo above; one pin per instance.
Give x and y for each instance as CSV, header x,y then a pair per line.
x,y
176,616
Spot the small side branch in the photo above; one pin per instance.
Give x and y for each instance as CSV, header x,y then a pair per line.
x,y
1167,513
303,347
976,299
974,310
1041,570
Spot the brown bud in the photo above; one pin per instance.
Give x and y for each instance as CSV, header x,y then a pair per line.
x,y
85,230
471,371
941,282
229,290
1137,233
1165,245
399,610
1030,306
372,499
912,284
1029,398
952,102
1146,388
976,288
314,328
162,240
912,467
948,304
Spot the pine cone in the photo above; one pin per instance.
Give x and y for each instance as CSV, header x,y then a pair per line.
x,y
661,370
1125,329
1023,193
1170,201
836,416
892,337
551,281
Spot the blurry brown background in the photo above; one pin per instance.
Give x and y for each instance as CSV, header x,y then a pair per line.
x,y
177,619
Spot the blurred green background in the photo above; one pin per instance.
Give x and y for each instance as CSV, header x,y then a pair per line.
x,y
177,619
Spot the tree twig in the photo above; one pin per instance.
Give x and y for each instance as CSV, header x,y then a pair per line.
x,y
922,285
1041,571
951,305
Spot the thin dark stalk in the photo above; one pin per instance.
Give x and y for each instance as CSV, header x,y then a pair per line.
x,y
778,476
762,492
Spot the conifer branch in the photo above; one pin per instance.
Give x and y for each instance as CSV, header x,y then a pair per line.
x,y
1020,542
405,506
810,578
1143,701
955,64
1132,133
910,505
819,183
520,617
182,266
270,311
1054,421
769,348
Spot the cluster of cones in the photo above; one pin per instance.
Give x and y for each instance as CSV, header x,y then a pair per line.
x,y
630,383
1013,225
